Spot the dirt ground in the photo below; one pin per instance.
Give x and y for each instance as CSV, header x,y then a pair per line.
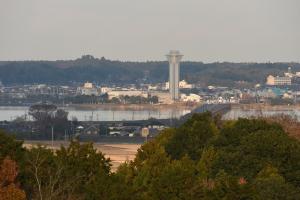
x,y
118,153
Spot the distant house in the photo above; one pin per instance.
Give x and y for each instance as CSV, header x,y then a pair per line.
x,y
91,130
79,130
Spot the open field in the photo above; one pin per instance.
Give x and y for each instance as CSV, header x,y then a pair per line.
x,y
118,153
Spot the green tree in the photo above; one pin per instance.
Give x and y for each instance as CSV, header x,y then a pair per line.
x,y
270,185
192,137
10,147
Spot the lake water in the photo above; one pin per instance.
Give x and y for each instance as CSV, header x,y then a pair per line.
x,y
11,113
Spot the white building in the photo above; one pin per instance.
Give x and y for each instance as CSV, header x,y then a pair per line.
x,y
278,80
152,87
185,85
191,98
105,90
182,84
167,85
88,89
118,93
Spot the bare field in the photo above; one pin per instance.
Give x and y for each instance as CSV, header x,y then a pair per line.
x,y
118,153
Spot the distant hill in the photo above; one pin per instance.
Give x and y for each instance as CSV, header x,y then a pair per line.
x,y
88,68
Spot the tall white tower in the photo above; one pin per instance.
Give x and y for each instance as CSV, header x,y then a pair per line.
x,y
174,58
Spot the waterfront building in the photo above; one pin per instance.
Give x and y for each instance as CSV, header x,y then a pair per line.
x,y
174,57
119,93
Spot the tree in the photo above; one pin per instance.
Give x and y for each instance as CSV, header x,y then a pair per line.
x,y
47,116
270,185
86,170
10,147
43,115
192,137
9,189
75,172
200,160
42,112
60,121
242,159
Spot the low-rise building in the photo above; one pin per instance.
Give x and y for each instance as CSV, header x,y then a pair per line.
x,y
118,93
278,80
190,98
91,130
88,89
182,84
105,90
185,85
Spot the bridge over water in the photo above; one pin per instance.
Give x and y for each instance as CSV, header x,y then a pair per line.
x,y
214,109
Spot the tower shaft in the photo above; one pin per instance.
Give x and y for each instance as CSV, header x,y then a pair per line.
x,y
174,58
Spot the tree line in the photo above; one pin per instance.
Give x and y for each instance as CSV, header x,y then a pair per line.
x,y
105,71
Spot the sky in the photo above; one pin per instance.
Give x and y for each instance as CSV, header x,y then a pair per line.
x,y
144,30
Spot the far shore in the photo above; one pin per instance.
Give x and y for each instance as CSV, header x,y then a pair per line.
x,y
133,106
130,107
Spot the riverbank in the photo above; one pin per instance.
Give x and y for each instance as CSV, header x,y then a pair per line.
x,y
266,107
260,110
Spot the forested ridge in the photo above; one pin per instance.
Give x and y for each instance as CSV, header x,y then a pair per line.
x,y
205,158
102,71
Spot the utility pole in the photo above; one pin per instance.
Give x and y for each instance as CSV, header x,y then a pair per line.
x,y
256,95
65,135
52,137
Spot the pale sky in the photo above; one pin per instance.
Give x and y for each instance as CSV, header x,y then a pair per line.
x,y
141,30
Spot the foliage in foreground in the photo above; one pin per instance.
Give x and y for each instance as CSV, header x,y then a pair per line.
x,y
202,159
243,159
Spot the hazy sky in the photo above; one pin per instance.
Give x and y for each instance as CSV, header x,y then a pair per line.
x,y
140,30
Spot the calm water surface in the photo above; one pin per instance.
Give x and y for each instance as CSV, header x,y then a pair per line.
x,y
11,113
